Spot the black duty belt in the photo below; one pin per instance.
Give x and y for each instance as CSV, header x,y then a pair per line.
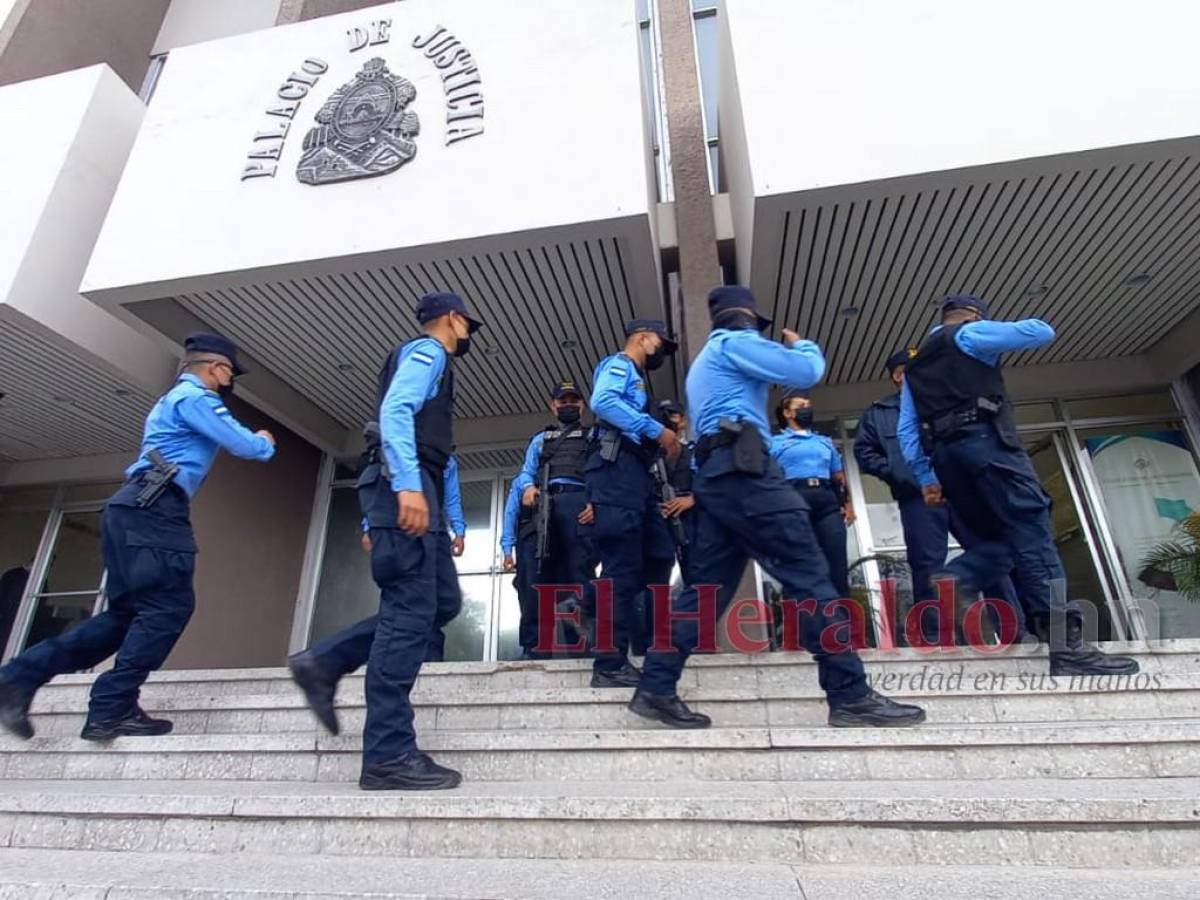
x,y
566,488
710,442
951,425
811,482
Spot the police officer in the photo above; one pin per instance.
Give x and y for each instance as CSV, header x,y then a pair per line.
x,y
926,528
679,475
629,534
402,496
518,542
813,465
745,508
558,453
954,390
149,552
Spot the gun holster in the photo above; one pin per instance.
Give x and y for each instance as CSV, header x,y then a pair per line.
x,y
749,453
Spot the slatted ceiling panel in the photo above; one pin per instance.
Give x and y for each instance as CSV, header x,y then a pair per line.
x,y
532,299
505,460
1080,231
36,425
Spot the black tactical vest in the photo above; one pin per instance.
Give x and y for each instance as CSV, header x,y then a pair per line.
x,y
944,380
568,449
434,423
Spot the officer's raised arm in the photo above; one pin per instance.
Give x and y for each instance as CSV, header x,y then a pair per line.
x,y
800,364
207,414
987,339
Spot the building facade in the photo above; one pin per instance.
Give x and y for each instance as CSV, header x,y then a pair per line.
x,y
294,173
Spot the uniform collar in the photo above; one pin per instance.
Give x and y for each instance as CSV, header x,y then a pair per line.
x,y
793,433
889,400
193,379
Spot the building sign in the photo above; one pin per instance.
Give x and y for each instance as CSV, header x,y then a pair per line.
x,y
365,128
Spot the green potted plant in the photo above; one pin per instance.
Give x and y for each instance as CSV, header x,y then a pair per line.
x,y
1174,565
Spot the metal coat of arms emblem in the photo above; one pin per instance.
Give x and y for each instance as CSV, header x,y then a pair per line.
x,y
363,130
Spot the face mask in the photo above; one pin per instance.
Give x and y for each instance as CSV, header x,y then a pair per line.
x,y
804,417
225,391
569,415
656,359
462,345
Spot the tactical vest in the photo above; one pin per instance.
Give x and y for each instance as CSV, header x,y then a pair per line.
x,y
568,451
433,425
944,380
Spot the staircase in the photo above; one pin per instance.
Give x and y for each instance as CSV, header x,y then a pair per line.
x,y
1019,785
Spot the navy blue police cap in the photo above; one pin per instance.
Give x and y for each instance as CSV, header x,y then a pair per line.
x,y
900,358
565,388
965,301
794,393
735,296
204,342
438,304
653,326
670,408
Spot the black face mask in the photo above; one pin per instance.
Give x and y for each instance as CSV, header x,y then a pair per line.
x,y
656,359
225,391
804,418
569,415
462,347
736,320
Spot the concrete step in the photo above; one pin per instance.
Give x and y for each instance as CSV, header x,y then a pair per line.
x,y
1165,748
1023,697
1072,822
97,875
719,670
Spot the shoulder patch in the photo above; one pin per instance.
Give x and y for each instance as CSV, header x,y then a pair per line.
x,y
618,369
220,409
422,357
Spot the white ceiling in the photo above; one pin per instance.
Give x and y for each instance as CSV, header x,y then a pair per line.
x,y
1058,237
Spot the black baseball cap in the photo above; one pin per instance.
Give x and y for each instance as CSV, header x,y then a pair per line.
x,y
564,388
206,342
435,305
653,326
735,296
900,358
965,301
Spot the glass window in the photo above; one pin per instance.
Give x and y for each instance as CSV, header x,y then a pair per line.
x,y
1156,404
67,594
509,612
346,592
1148,478
21,527
465,635
479,551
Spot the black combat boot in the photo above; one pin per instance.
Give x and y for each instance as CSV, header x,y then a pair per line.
x,y
14,709
668,709
1071,655
625,677
136,724
414,771
318,688
875,711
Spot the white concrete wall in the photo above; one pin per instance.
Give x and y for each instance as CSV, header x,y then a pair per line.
x,y
193,21
69,138
565,142
845,91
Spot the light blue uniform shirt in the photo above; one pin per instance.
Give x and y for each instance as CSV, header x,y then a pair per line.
x,y
529,469
619,398
188,425
453,505
985,341
805,454
734,371
418,376
512,510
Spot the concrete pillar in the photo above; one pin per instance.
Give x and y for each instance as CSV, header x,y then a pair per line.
x,y
699,265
